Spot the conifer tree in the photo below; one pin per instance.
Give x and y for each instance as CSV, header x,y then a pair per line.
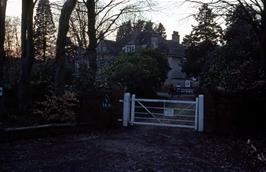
x,y
125,29
44,31
161,30
149,26
207,30
203,39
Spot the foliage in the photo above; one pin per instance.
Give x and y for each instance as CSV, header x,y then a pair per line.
x,y
11,72
12,44
141,72
123,30
161,30
207,29
196,58
236,65
70,49
83,79
102,78
57,109
256,155
44,27
41,79
42,71
149,26
203,39
140,26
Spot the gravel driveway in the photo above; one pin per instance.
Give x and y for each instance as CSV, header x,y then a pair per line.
x,y
133,149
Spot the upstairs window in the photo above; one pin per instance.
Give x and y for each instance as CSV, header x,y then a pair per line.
x,y
129,48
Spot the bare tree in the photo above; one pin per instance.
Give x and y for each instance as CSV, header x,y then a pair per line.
x,y
108,17
93,20
26,53
66,11
2,37
12,42
79,25
2,51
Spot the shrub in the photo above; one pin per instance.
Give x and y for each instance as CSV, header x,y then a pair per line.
x,y
57,109
83,78
141,72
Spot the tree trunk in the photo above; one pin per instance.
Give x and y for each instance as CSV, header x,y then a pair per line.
x,y
90,4
66,11
2,51
27,54
2,38
263,42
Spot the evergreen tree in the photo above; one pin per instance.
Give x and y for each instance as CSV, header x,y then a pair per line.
x,y
235,66
149,26
161,30
44,31
124,30
207,29
139,25
203,39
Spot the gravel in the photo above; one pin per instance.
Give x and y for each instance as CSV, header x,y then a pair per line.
x,y
138,149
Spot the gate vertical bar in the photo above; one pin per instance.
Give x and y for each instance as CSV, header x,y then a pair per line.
x,y
132,116
196,113
126,109
201,114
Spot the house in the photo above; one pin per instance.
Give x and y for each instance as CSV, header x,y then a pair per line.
x,y
172,49
107,50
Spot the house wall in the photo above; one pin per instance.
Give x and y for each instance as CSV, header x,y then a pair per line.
x,y
175,75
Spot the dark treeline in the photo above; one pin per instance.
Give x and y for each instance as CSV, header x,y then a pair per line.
x,y
228,62
35,66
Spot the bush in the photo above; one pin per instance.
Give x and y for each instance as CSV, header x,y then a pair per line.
x,y
83,79
141,72
57,109
41,80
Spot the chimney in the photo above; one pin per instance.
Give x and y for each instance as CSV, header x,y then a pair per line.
x,y
176,36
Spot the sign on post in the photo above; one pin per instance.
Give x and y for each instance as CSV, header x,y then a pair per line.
x,y
169,112
187,83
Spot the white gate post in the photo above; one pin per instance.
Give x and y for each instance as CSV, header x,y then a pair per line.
x,y
126,109
132,116
197,114
201,113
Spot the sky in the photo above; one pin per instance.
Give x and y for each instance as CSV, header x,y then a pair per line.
x,y
173,14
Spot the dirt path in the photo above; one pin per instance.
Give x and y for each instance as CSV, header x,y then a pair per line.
x,y
134,149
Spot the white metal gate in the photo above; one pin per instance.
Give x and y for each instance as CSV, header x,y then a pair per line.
x,y
158,112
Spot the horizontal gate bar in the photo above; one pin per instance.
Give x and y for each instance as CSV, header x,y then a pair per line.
x,y
165,125
162,108
161,114
173,120
166,101
146,113
151,107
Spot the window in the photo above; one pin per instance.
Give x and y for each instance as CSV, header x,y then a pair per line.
x,y
129,48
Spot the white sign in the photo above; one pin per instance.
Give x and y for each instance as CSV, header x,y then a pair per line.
x,y
187,83
1,91
168,112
